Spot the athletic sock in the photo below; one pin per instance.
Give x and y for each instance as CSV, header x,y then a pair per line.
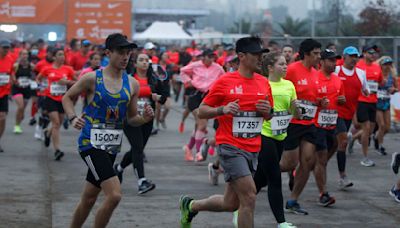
x,y
140,181
119,168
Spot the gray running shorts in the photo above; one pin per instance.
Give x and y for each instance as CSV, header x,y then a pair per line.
x,y
236,162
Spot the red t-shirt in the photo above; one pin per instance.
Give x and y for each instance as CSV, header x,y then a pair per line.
x,y
78,60
352,90
54,90
42,53
144,88
6,69
41,65
305,82
173,57
330,88
374,78
228,88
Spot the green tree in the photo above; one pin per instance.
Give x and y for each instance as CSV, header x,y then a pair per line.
x,y
377,18
294,27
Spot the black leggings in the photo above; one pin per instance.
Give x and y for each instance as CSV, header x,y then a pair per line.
x,y
269,173
137,137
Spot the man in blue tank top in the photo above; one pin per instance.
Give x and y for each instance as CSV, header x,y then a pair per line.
x,y
112,97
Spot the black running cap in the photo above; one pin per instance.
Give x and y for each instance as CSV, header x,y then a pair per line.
x,y
118,40
250,45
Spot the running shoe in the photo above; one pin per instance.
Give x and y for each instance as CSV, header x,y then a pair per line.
x,y
295,208
395,193
32,121
58,155
38,133
17,129
381,151
181,127
235,219
66,124
186,215
395,164
345,183
204,148
46,138
163,124
212,174
286,225
367,162
118,173
199,157
188,153
146,186
154,131
325,199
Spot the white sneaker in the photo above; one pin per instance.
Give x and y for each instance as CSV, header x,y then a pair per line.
x,y
38,133
367,162
212,174
286,225
345,183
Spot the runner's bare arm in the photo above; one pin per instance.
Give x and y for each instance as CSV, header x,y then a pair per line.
x,y
208,112
86,84
134,119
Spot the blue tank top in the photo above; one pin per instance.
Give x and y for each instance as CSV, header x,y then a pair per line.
x,y
104,117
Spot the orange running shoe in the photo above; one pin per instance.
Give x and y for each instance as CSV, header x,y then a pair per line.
x,y
181,127
188,153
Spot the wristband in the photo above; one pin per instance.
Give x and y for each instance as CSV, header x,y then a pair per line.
x,y
72,119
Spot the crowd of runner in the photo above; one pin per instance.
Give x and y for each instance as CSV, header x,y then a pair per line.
x,y
273,109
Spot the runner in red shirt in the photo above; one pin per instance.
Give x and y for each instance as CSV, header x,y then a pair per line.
x,y
42,85
366,111
6,66
42,49
241,101
331,87
79,59
354,83
301,131
59,77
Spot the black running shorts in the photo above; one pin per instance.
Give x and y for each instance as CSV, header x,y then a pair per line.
x,y
51,105
298,132
4,104
366,112
100,165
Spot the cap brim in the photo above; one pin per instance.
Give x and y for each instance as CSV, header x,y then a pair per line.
x,y
128,45
264,50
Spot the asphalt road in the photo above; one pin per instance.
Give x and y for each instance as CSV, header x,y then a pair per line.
x,y
37,191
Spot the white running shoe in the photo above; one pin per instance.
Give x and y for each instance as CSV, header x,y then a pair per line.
x,y
38,133
367,162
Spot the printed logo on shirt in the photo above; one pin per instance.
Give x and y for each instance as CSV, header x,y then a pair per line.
x,y
239,89
323,89
302,82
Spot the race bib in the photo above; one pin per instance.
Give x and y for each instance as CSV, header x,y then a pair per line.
x,y
373,86
4,79
141,103
24,82
33,85
106,137
308,109
383,95
327,118
57,89
247,124
280,122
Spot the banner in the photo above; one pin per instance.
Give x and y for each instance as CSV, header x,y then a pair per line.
x,y
32,11
96,19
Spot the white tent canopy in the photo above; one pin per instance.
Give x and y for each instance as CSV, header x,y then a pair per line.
x,y
163,31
